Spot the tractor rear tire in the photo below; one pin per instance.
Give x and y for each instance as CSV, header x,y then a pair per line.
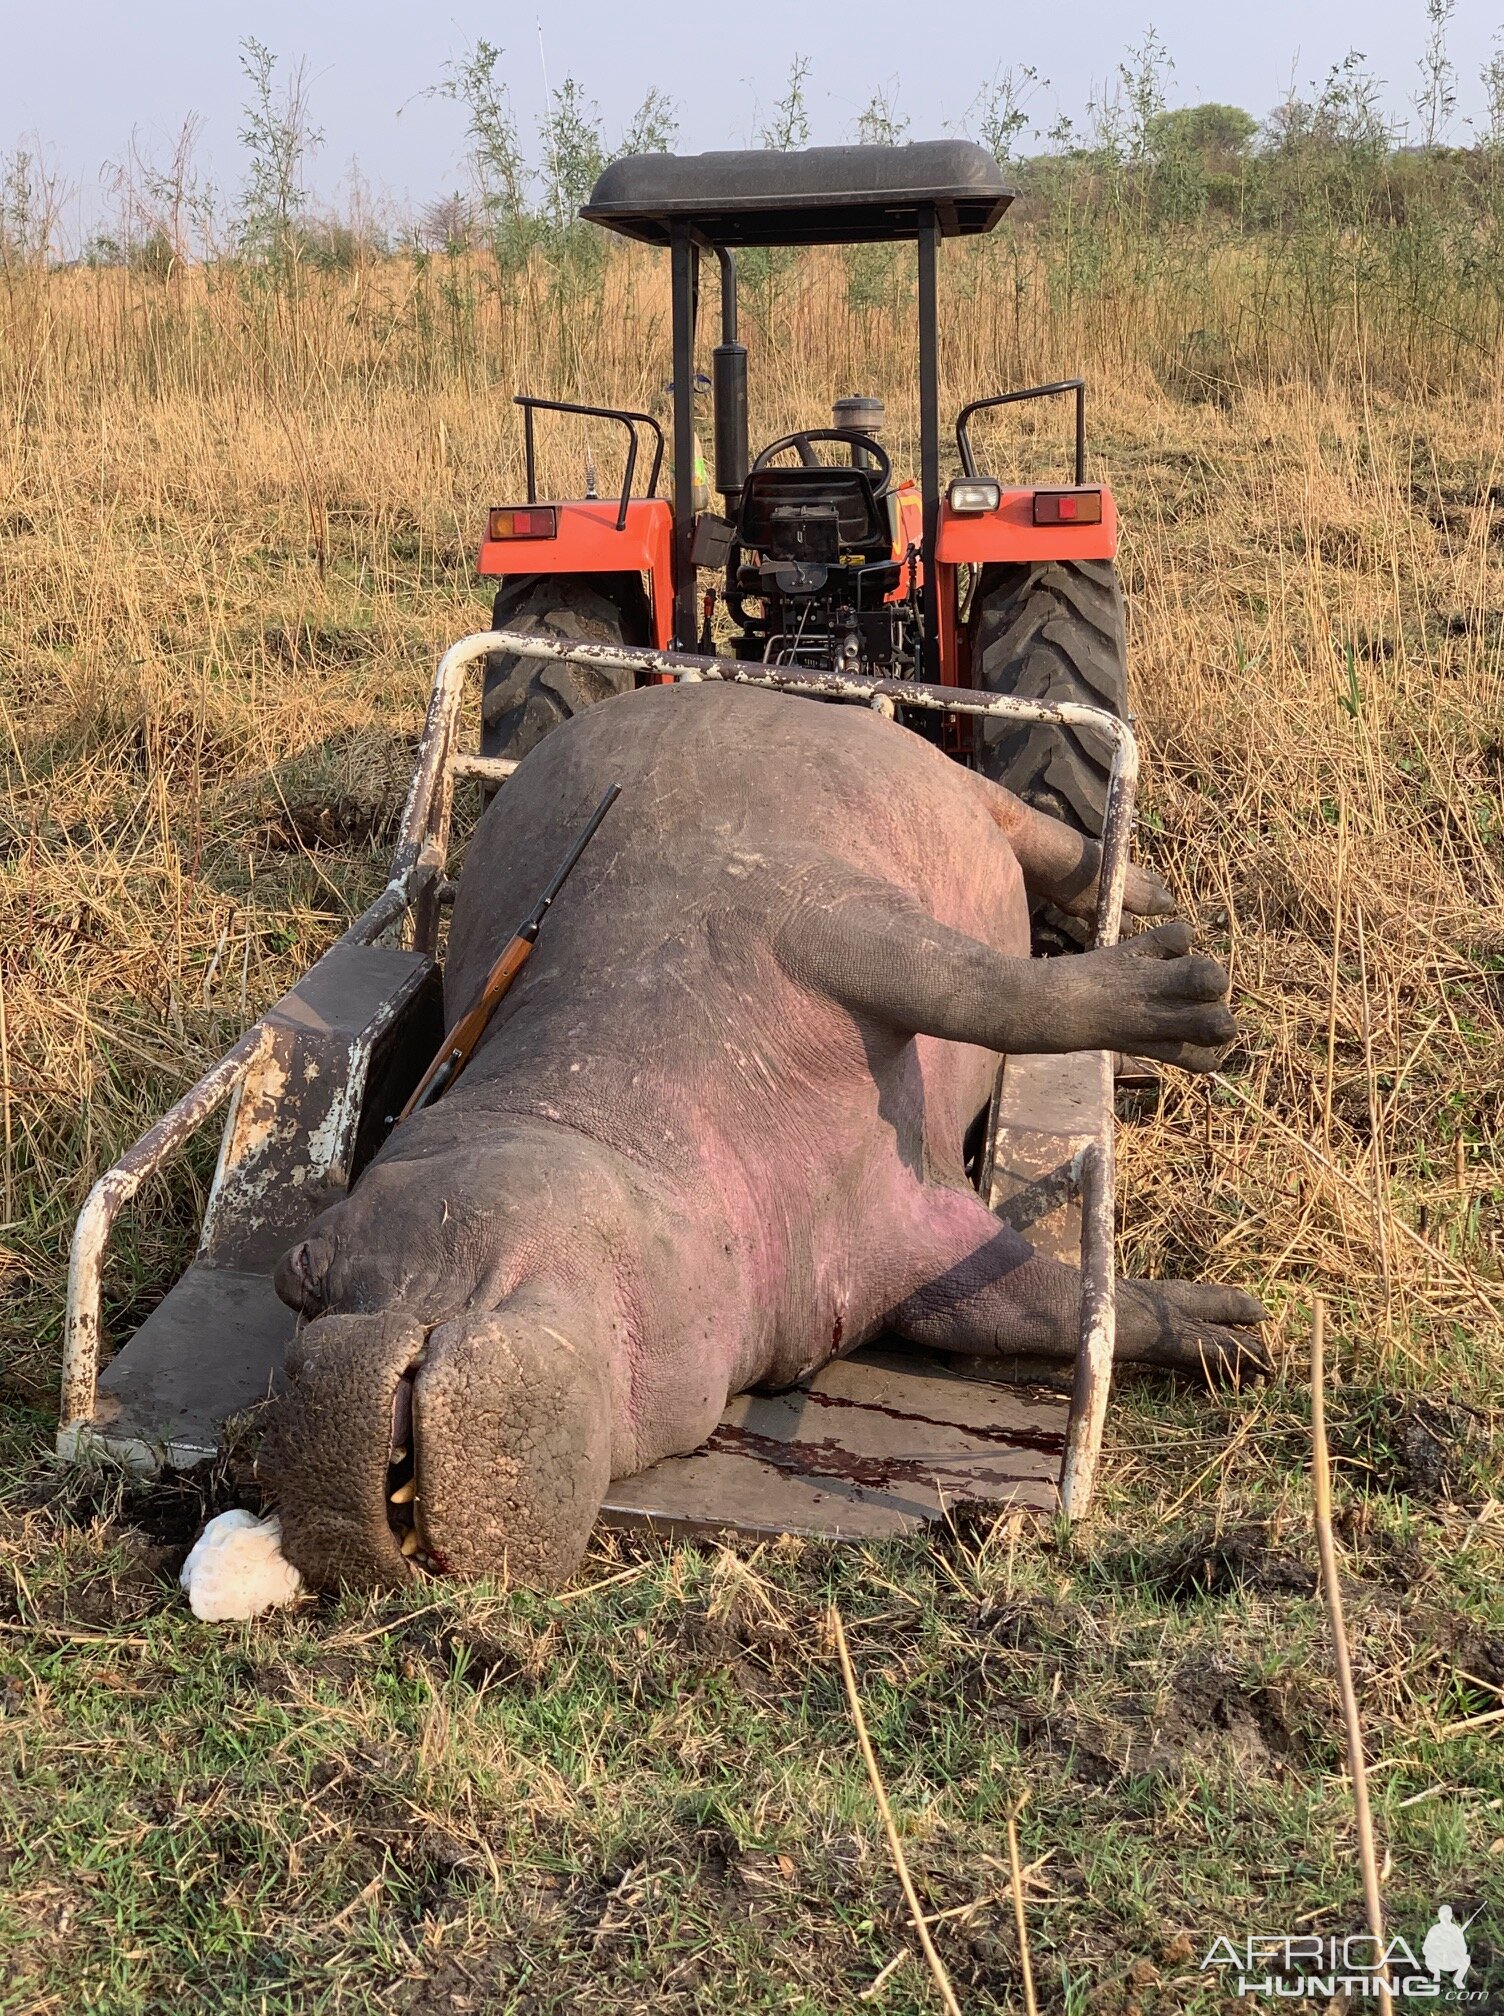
x,y
1051,631
524,697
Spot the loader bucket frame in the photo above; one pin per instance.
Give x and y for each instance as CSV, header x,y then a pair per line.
x,y
403,925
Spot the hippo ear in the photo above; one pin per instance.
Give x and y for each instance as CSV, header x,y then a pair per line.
x,y
301,1273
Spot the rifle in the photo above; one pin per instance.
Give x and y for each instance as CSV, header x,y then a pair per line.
x,y
459,1044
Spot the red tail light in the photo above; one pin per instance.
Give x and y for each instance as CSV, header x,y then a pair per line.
x,y
1067,507
522,521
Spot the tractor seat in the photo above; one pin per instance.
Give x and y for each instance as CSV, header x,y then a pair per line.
x,y
822,514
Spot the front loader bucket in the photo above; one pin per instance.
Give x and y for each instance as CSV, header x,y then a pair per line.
x,y
310,1090
878,1443
330,1062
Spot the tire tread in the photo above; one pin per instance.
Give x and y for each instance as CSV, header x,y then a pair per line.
x,y
1051,631
523,698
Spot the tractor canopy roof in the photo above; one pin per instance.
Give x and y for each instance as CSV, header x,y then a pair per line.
x,y
818,196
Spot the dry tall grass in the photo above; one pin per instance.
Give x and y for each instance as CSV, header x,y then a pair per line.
x,y
236,528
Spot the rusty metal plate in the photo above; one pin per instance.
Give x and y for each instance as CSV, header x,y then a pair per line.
x,y
339,1053
212,1347
1049,1109
877,1444
292,1137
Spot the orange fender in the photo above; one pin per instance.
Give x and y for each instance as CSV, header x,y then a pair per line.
x,y
971,538
587,542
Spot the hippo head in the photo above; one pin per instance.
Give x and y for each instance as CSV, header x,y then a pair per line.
x,y
436,1415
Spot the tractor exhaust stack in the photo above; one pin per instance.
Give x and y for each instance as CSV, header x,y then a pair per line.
x,y
728,367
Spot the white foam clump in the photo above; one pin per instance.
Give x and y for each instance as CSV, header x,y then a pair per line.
x,y
236,1569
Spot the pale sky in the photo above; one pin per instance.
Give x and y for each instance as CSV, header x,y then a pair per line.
x,y
79,77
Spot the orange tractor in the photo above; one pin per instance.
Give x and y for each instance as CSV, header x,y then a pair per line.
x,y
836,565
984,616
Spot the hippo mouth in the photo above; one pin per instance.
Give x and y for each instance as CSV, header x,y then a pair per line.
x,y
404,1504
341,1445
474,1445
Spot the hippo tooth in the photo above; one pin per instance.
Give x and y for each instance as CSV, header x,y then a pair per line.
x,y
410,1542
402,1413
397,1456
405,1493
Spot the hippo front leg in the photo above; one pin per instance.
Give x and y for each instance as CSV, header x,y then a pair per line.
x,y
982,1290
870,946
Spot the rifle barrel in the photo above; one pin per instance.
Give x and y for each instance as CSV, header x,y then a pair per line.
x,y
541,907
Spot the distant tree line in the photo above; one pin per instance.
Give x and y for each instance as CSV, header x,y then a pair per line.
x,y
1332,153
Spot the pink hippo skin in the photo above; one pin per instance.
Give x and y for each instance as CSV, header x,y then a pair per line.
x,y
713,1136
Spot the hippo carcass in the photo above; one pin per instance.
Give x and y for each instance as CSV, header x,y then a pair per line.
x,y
714,1135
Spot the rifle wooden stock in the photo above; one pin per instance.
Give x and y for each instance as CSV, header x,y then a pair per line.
x,y
467,1032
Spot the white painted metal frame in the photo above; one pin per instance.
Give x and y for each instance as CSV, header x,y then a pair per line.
x,y
413,893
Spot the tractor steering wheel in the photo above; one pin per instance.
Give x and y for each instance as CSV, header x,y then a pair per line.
x,y
802,444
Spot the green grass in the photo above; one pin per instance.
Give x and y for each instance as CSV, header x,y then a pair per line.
x,y
648,1795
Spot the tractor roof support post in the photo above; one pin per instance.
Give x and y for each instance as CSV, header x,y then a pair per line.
x,y
684,258
929,434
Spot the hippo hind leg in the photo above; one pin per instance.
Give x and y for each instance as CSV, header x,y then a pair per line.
x,y
981,1289
1059,864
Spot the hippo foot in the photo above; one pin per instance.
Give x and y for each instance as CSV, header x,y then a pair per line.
x,y
1150,995
1204,1329
1207,1334
984,1292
